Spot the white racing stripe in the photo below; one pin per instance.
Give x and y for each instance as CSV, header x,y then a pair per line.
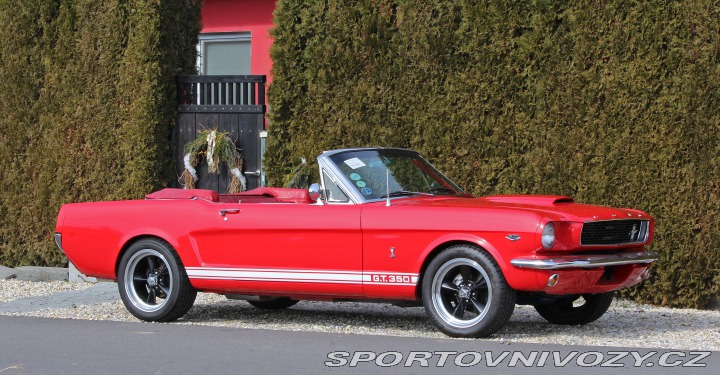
x,y
304,276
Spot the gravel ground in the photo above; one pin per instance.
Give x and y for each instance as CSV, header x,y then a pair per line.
x,y
14,289
626,324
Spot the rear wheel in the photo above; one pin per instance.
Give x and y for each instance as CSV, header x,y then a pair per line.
x,y
465,293
152,282
274,304
576,310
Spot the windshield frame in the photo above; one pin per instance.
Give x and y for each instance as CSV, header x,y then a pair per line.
x,y
325,161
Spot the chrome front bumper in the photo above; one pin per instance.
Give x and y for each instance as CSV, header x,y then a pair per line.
x,y
591,261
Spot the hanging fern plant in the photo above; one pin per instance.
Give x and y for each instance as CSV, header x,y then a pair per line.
x,y
217,147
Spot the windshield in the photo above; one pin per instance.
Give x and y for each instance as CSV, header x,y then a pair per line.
x,y
377,174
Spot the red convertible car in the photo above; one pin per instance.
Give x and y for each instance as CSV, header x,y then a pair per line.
x,y
382,225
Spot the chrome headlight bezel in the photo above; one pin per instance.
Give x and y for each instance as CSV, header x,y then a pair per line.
x,y
548,236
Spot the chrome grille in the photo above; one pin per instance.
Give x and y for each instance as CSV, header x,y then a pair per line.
x,y
614,232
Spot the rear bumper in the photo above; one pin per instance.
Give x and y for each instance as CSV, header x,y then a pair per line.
x,y
58,241
589,261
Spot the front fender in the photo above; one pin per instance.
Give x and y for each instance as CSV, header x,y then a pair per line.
x,y
519,279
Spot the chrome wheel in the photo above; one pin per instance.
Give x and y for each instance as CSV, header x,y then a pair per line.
x,y
462,292
465,293
153,283
148,280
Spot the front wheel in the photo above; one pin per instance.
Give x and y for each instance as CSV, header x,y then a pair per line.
x,y
576,310
465,293
152,282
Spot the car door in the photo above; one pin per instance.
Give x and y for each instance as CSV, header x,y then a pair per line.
x,y
393,241
283,248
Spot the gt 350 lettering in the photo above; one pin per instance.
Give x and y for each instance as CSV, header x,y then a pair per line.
x,y
391,278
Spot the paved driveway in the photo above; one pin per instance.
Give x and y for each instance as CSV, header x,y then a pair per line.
x,y
65,346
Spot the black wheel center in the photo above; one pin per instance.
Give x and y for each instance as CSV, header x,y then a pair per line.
x,y
152,280
465,291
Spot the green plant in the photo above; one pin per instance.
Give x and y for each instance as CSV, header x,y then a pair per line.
x,y
215,147
87,108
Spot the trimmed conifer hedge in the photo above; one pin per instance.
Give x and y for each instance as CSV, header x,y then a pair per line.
x,y
614,103
87,102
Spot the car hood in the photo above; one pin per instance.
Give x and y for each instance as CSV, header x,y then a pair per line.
x,y
557,207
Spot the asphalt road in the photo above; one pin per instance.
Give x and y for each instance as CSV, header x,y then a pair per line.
x,y
58,346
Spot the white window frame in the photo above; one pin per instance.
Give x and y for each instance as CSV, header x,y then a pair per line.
x,y
243,36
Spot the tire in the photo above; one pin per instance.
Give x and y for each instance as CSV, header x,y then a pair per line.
x,y
274,304
465,293
153,283
568,311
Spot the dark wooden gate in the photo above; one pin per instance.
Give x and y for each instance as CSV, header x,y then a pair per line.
x,y
234,104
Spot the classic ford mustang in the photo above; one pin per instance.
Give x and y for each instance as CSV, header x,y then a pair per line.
x,y
382,225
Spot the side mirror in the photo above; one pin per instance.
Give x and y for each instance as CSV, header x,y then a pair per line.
x,y
315,191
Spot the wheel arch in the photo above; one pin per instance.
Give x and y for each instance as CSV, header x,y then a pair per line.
x,y
131,241
439,246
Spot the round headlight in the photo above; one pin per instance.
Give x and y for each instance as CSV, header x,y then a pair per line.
x,y
548,235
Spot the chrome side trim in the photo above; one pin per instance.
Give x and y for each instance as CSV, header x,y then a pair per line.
x,y
325,164
591,261
58,241
341,150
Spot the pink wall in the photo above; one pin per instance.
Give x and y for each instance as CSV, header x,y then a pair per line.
x,y
254,16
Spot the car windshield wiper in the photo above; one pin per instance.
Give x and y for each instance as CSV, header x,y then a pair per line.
x,y
442,190
404,193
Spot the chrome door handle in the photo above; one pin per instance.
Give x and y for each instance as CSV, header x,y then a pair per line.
x,y
229,211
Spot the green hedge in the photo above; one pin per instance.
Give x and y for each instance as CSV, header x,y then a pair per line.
x,y
615,103
87,102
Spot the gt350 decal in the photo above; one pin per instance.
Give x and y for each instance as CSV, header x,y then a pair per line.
x,y
390,278
303,276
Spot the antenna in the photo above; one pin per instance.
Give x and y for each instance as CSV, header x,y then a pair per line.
x,y
387,185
